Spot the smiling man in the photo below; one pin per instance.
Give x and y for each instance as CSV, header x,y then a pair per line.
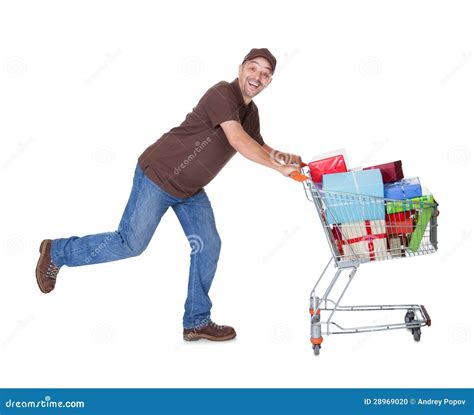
x,y
171,173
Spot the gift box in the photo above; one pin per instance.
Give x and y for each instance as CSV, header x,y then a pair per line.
x,y
398,244
364,240
328,165
412,204
422,221
395,246
403,189
391,172
400,223
353,196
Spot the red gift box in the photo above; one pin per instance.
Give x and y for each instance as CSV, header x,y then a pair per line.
x,y
329,165
400,223
365,239
391,172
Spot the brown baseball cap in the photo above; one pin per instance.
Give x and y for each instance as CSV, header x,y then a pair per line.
x,y
262,53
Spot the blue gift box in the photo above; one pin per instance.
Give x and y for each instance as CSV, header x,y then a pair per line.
x,y
403,189
354,196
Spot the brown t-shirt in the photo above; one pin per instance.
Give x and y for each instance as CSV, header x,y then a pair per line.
x,y
188,157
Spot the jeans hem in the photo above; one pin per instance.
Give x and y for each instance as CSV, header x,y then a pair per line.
x,y
202,323
54,258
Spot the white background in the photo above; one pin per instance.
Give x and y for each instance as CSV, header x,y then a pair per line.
x,y
86,86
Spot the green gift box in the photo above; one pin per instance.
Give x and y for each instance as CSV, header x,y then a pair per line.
x,y
424,205
421,202
421,223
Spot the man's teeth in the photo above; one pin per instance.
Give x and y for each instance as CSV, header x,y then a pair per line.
x,y
253,84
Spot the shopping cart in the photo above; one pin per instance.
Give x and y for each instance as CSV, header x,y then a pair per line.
x,y
409,229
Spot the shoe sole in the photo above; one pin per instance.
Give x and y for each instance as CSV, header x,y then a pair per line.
x,y
207,337
42,251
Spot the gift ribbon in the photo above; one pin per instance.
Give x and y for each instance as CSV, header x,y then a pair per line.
x,y
408,182
401,186
366,238
403,190
356,184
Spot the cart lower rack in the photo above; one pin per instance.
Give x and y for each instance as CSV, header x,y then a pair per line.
x,y
409,228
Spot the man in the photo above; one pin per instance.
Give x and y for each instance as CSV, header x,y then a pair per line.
x,y
172,173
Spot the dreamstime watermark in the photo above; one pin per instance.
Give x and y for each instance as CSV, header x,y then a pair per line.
x,y
99,248
459,334
199,146
286,58
110,57
14,245
375,147
22,324
281,333
465,59
463,236
288,235
197,244
278,158
192,66
21,147
15,67
459,155
370,66
103,155
46,402
103,333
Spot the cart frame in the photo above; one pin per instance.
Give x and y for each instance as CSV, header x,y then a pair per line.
x,y
349,262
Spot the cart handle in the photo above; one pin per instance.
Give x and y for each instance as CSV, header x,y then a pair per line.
x,y
299,177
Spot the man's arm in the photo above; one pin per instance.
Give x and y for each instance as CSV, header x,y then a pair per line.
x,y
250,149
283,157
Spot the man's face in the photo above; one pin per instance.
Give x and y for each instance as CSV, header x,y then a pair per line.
x,y
254,76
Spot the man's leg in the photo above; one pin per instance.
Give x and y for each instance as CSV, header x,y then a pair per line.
x,y
145,207
197,219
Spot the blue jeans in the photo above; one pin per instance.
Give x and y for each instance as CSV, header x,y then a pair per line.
x,y
145,207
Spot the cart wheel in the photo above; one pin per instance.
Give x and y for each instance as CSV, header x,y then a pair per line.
x,y
316,349
409,316
417,334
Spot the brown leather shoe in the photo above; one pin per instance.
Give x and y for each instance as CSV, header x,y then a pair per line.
x,y
46,271
210,331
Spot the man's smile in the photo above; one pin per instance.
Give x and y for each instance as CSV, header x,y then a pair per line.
x,y
253,84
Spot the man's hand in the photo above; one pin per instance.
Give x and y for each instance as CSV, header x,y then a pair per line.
x,y
287,169
294,159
